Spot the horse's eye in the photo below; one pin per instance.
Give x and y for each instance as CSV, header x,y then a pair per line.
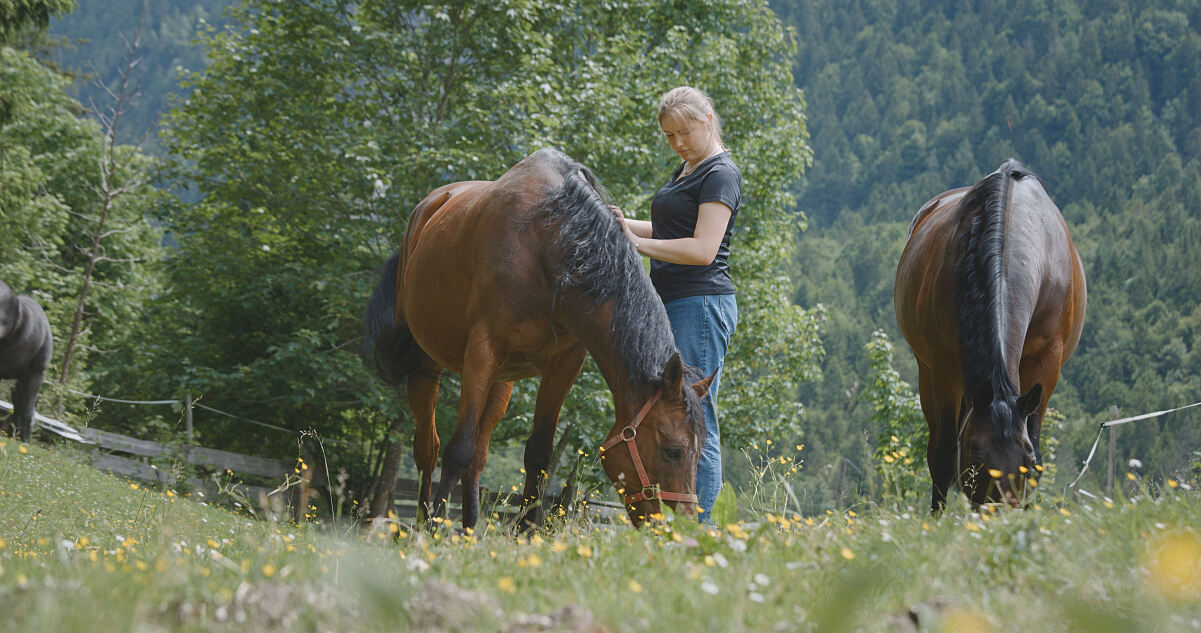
x,y
673,455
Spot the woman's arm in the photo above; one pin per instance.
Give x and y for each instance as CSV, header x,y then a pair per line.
x,y
698,250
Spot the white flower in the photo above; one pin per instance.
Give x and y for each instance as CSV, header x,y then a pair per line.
x,y
1136,463
709,587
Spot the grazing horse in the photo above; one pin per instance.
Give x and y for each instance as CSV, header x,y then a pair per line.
x,y
25,347
521,277
990,296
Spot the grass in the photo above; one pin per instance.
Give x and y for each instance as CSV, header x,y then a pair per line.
x,y
82,551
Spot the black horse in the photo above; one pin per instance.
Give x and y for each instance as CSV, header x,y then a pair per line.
x,y
25,347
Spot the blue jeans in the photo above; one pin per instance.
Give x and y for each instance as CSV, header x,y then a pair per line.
x,y
702,326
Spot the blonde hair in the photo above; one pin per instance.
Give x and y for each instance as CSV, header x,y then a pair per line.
x,y
686,102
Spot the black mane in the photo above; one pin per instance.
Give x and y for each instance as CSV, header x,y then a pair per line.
x,y
601,265
980,291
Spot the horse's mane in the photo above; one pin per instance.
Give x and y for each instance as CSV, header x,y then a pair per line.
x,y
980,276
600,265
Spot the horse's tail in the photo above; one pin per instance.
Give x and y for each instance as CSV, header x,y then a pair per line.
x,y
388,344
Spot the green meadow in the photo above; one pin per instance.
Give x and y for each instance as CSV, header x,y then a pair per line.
x,y
85,551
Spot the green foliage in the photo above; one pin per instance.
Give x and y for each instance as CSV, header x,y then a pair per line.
x,y
316,127
901,442
1100,99
18,15
51,199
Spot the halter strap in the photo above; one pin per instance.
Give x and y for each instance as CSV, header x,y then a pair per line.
x,y
627,434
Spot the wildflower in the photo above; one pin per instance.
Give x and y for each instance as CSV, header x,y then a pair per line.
x,y
709,587
268,570
584,550
506,584
963,621
1174,566
558,547
21,449
847,553
1135,463
635,587
1130,476
994,473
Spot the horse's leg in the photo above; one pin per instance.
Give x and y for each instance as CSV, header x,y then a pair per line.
x,y
498,403
422,390
479,368
940,417
1042,368
25,398
556,381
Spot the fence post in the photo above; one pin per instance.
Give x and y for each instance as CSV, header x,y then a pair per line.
x,y
187,401
1113,415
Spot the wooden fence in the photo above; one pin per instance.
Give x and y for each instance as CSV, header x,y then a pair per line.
x,y
133,457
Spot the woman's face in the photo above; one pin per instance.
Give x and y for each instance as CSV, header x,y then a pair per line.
x,y
687,137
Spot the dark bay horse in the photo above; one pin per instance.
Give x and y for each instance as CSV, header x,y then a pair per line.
x,y
25,348
521,277
990,295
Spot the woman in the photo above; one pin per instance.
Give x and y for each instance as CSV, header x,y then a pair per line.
x,y
688,241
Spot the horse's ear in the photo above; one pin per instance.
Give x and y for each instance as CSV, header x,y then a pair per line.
x,y
701,387
1029,401
673,374
982,398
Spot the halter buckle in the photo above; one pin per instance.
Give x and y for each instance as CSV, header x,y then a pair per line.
x,y
629,437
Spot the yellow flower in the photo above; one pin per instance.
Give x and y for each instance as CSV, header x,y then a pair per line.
x,y
268,570
584,550
635,587
21,449
847,553
1174,565
1065,512
506,584
2,543
1130,476
133,486
963,621
888,459
558,547
1172,483
994,473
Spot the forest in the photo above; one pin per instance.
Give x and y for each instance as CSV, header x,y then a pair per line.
x,y
208,220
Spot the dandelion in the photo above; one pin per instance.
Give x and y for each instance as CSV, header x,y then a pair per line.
x,y
994,473
24,451
1173,563
1172,483
1130,476
506,584
1135,463
635,587
1065,512
558,547
847,553
584,550
268,570
963,621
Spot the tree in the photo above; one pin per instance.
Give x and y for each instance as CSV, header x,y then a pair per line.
x,y
51,169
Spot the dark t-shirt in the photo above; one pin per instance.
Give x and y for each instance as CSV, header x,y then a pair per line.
x,y
673,215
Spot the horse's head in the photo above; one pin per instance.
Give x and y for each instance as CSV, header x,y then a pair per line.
x,y
652,457
996,445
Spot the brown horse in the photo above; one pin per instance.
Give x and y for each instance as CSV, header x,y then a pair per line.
x,y
990,296
521,277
